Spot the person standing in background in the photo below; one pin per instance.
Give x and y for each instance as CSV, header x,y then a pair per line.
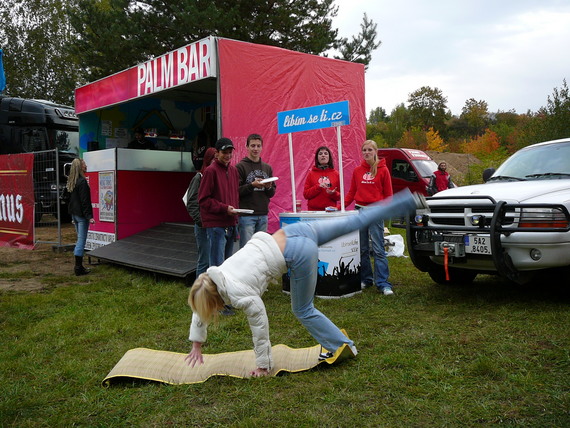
x,y
371,183
440,180
140,142
80,209
218,198
193,209
322,182
254,195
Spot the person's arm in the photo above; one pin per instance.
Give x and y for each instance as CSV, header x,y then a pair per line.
x,y
270,188
192,202
386,184
205,199
311,190
85,200
198,335
352,191
259,324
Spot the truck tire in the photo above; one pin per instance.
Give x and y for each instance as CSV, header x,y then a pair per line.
x,y
456,276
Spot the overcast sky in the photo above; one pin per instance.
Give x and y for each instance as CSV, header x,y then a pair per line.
x,y
509,53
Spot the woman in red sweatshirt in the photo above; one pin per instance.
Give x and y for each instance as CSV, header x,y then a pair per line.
x,y
371,183
322,183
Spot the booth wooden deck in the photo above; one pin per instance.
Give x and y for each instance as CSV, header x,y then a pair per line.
x,y
168,249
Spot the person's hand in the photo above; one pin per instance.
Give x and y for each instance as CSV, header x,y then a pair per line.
x,y
195,355
92,221
259,372
257,183
231,210
331,191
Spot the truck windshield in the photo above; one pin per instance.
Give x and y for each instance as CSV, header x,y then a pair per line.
x,y
67,141
550,161
425,167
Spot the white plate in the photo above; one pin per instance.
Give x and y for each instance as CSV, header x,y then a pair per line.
x,y
269,180
243,211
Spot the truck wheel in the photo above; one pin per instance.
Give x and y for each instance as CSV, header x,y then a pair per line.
x,y
456,276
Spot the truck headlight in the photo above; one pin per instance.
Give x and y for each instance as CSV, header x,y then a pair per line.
x,y
543,218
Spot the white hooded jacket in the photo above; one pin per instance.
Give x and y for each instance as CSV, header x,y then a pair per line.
x,y
241,280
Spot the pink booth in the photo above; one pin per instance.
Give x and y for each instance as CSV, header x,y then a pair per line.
x,y
211,88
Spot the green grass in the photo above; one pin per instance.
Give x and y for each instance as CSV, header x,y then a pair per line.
x,y
487,354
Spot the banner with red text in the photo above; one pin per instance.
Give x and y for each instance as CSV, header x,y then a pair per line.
x,y
17,201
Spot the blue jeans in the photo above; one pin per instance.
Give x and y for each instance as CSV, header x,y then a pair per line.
x,y
374,233
250,224
203,247
81,227
301,256
221,243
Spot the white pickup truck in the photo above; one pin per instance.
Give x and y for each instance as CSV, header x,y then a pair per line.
x,y
516,225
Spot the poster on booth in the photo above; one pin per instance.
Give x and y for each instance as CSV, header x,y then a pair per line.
x,y
107,196
17,201
338,264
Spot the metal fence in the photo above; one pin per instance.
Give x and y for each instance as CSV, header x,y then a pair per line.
x,y
49,181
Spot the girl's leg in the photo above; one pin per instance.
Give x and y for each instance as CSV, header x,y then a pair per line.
x,y
366,277
301,255
324,231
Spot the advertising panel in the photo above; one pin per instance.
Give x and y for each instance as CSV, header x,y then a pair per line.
x,y
17,201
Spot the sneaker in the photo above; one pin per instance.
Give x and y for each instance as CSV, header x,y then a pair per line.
x,y
228,310
325,355
354,350
387,291
364,285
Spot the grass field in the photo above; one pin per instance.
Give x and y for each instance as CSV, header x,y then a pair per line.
x,y
487,354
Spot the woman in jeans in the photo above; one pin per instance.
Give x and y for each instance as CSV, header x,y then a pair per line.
x,y
80,209
371,183
242,279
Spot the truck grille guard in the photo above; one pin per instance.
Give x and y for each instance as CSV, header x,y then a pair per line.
x,y
493,218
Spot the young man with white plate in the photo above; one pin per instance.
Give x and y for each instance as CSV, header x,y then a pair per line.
x,y
253,194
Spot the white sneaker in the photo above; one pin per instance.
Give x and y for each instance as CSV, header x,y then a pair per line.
x,y
387,292
354,350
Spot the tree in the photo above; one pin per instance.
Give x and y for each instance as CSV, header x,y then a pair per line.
x,y
485,144
360,48
377,115
434,141
116,34
427,108
34,35
476,114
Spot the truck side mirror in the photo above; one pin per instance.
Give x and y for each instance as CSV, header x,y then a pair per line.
x,y
487,174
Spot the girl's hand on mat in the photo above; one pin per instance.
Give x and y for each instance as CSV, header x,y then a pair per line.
x,y
259,372
195,355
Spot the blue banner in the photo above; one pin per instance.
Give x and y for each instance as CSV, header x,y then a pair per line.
x,y
315,117
2,76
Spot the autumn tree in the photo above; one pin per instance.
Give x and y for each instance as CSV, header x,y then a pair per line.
x,y
413,138
434,141
482,145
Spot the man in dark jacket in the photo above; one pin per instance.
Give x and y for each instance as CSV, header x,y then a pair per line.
x,y
253,194
218,198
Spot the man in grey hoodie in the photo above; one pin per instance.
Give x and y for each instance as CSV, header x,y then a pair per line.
x,y
253,194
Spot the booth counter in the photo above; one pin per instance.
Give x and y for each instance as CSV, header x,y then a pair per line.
x,y
134,190
339,259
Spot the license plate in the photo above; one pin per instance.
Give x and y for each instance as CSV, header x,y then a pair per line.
x,y
477,244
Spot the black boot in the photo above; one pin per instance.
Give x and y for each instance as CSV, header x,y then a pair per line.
x,y
79,269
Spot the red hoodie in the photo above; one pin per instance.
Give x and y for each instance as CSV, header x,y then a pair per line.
x,y
365,189
317,196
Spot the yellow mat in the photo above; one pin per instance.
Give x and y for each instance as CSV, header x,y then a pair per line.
x,y
170,367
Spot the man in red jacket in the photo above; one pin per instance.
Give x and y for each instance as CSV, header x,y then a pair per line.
x,y
218,198
440,180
